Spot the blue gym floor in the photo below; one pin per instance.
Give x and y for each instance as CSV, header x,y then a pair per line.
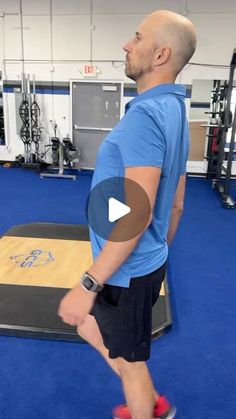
x,y
194,364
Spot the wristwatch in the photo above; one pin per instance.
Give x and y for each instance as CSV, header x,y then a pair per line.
x,y
90,284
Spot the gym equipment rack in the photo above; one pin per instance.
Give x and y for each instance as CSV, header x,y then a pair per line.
x,y
30,132
219,152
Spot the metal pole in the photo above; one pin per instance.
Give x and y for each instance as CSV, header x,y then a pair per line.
x,y
30,121
22,38
226,123
230,155
51,58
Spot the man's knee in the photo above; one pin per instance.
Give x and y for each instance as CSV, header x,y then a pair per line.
x,y
127,368
90,332
84,333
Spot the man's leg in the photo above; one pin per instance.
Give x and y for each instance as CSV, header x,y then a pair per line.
x,y
90,332
138,388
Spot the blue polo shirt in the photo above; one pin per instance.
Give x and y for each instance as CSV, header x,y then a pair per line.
x,y
153,132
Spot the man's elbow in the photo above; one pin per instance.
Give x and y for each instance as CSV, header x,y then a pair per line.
x,y
178,209
149,222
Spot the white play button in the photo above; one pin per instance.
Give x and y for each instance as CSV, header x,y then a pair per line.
x,y
117,210
106,204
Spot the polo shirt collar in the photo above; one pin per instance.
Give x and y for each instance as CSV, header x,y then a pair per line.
x,y
176,89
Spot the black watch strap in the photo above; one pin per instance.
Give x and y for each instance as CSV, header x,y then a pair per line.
x,y
90,284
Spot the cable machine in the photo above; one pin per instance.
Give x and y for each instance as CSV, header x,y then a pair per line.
x,y
62,151
30,132
220,152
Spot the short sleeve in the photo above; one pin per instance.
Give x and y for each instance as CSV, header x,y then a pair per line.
x,y
142,142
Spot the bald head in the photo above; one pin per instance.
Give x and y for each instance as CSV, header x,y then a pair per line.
x,y
163,44
174,31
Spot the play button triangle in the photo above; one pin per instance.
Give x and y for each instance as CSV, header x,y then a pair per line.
x,y
117,210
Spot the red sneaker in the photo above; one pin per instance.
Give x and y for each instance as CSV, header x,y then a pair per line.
x,y
162,410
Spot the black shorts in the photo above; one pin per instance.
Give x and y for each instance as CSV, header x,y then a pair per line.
x,y
124,316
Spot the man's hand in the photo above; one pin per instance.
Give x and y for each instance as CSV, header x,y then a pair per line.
x,y
75,306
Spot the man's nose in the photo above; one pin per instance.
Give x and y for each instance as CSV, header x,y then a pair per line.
x,y
127,47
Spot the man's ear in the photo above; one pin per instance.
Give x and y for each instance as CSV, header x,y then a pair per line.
x,y
162,55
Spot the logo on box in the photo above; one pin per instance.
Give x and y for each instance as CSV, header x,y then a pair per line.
x,y
34,259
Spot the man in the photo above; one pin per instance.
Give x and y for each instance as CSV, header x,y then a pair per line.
x,y
148,146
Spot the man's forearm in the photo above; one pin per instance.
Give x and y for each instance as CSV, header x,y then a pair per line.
x,y
112,256
115,252
174,222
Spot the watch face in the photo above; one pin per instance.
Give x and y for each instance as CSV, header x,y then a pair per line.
x,y
88,283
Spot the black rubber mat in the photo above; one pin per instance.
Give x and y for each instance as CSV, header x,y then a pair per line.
x,y
50,231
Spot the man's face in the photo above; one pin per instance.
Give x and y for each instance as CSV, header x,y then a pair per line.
x,y
139,52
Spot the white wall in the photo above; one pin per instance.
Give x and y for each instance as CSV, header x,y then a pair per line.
x,y
113,23
201,93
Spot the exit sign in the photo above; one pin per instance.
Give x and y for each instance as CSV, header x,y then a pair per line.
x,y
89,70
